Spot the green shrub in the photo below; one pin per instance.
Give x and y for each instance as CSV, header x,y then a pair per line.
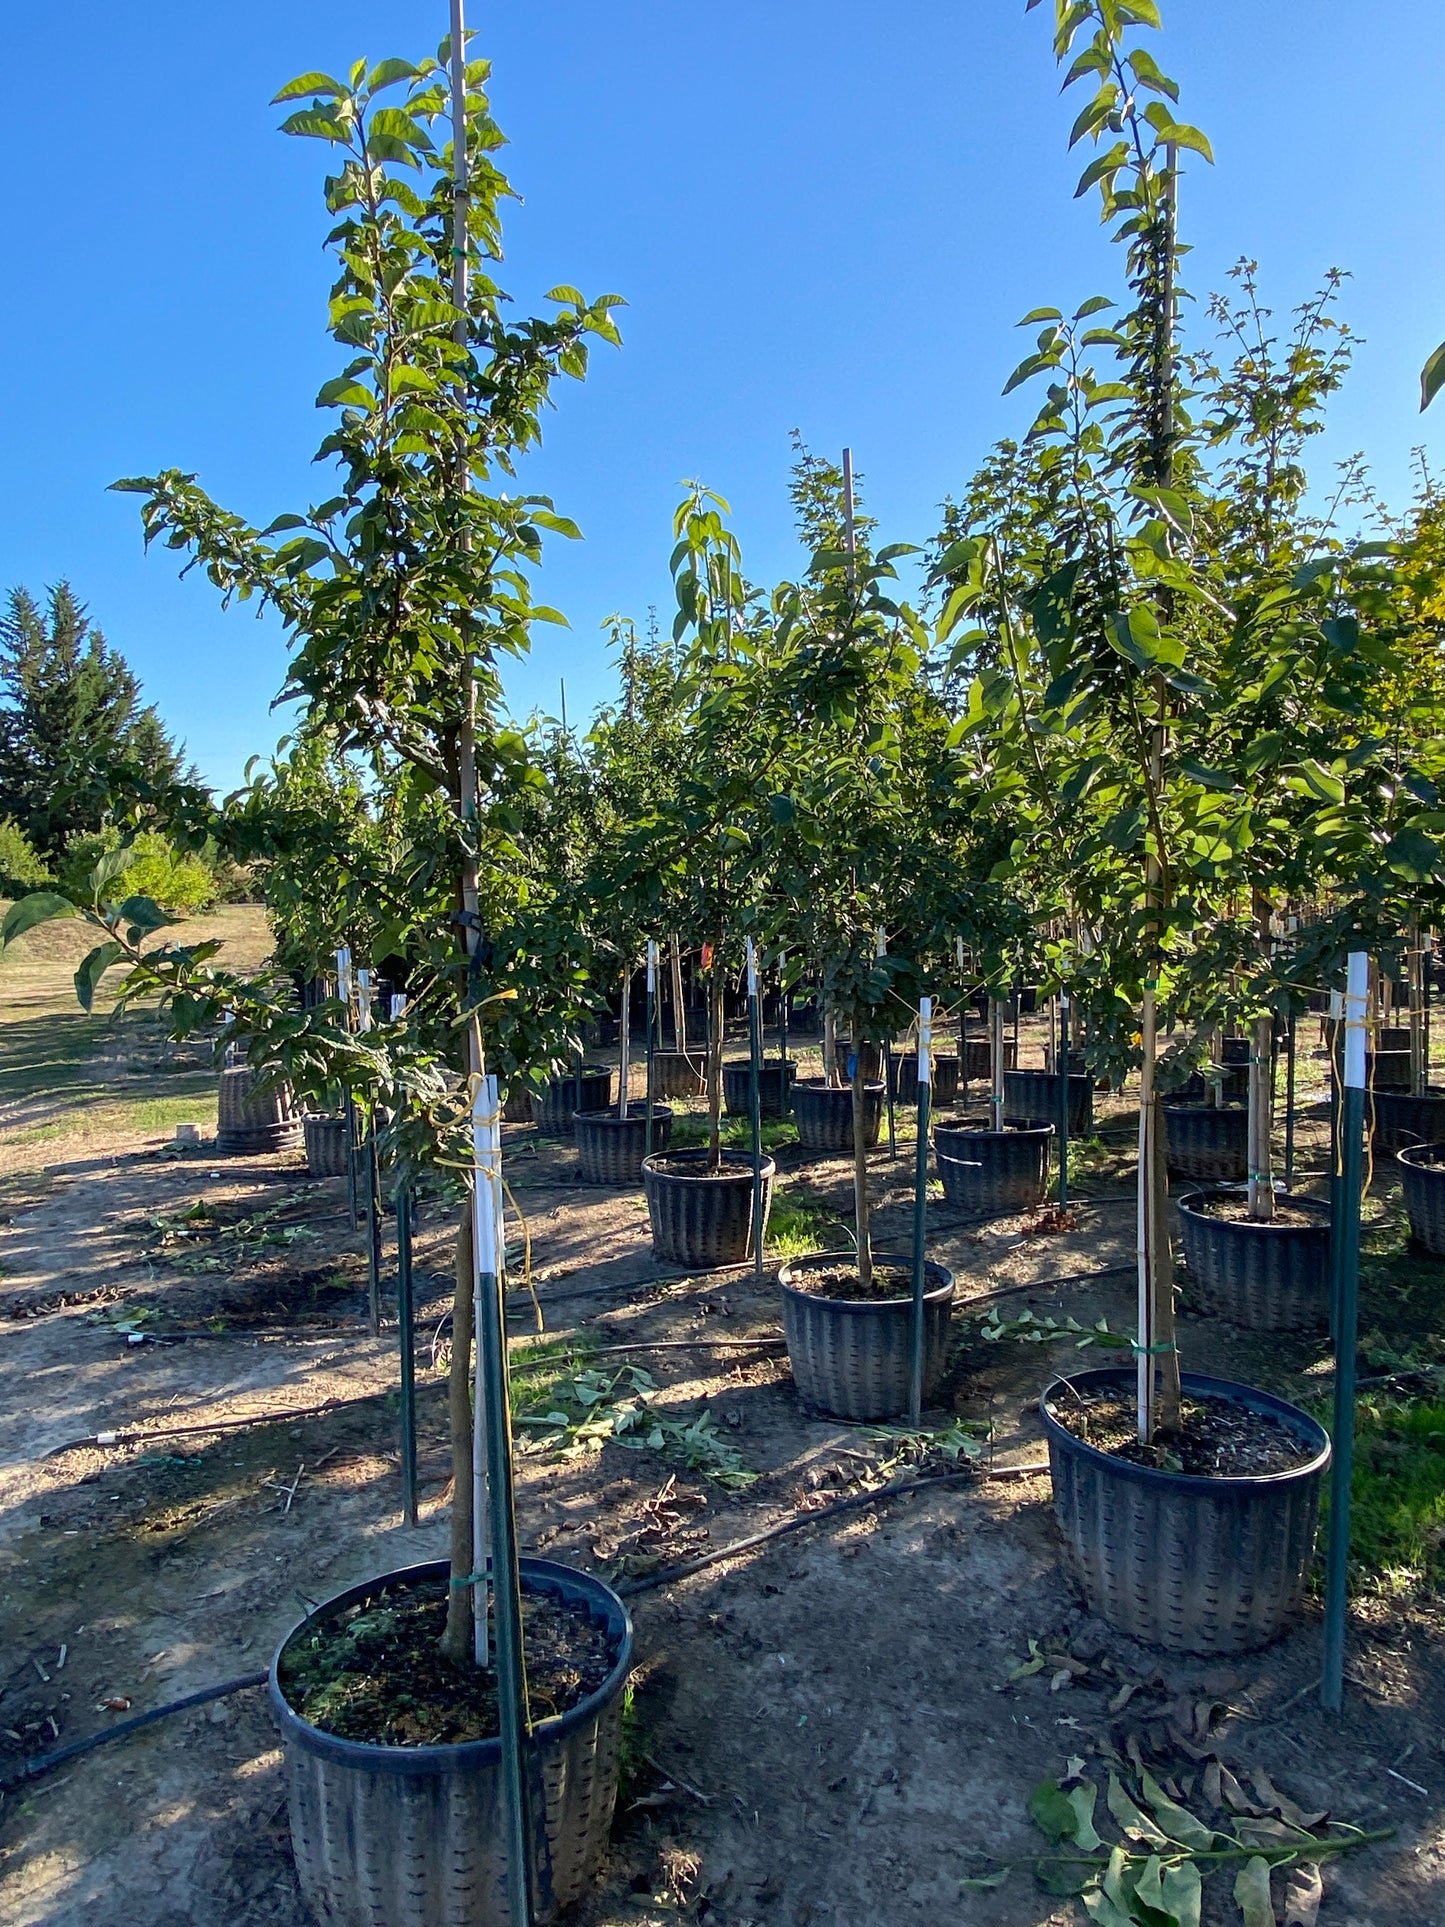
x,y
179,884
21,867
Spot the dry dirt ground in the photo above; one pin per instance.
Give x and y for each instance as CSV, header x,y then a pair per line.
x,y
825,1727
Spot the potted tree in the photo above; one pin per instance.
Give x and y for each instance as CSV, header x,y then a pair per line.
x,y
406,1697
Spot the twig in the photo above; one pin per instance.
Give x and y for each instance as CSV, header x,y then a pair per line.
x,y
704,1799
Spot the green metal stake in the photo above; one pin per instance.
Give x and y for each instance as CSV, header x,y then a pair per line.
x,y
920,1203
1062,1068
1289,1084
755,1105
1346,1238
786,1092
405,1325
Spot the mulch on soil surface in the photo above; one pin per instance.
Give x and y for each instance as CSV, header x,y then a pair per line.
x,y
842,1281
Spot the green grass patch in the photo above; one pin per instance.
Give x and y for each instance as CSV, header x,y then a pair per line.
x,y
1397,1518
799,1223
690,1133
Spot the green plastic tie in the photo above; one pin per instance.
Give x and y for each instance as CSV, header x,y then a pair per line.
x,y
471,1579
1150,1351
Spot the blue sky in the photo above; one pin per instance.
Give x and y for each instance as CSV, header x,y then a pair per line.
x,y
823,216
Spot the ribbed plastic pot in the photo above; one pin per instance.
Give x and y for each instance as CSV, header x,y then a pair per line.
x,y
1402,1120
554,1109
248,1121
327,1145
1265,1277
995,1171
700,1218
1234,1050
676,1074
1390,1070
823,1114
1392,1037
1207,1142
852,1358
1422,1178
905,1079
1191,1564
517,1105
738,1084
980,1060
411,1836
1032,1097
610,1149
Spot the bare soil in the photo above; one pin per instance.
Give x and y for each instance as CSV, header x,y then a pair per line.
x,y
828,1727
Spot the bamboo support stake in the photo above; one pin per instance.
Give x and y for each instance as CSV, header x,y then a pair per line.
x,y
651,1037
755,1107
920,1208
1261,1082
624,1043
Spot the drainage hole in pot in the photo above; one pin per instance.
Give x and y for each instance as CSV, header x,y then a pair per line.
x,y
842,1281
1217,1439
375,1673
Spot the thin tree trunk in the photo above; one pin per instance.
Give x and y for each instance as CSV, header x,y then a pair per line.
x,y
830,1048
715,1061
1419,1069
456,1641
860,1170
679,1008
1261,1091
1158,1386
624,1034
996,1018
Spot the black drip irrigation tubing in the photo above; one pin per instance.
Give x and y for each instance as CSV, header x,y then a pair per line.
x,y
669,1575
48,1762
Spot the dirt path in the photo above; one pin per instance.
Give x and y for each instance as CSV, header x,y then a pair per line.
x,y
829,1721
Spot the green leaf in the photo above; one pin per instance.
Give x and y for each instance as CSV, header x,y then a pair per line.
x,y
387,73
1147,73
1204,775
1251,1894
1413,854
318,122
1132,1820
1317,781
93,969
305,84
143,916
1083,1798
1053,1812
1432,375
974,1883
1040,314
41,906
1181,1893
1177,1821
1093,305
113,864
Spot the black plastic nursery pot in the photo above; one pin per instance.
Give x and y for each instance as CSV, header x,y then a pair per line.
x,y
852,1358
610,1149
554,1108
327,1145
1265,1277
823,1114
1390,1070
676,1074
248,1120
1032,1097
1234,1050
1207,1142
398,1836
1422,1179
1402,1120
1196,1565
978,1058
775,1082
994,1171
1392,1037
904,1074
703,1218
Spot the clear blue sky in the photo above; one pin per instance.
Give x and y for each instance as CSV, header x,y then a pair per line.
x,y
823,216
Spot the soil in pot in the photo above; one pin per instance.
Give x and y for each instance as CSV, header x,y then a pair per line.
x,y
842,1281
374,1672
1216,1438
1235,1210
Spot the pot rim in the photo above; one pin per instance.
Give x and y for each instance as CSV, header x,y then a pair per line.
x,y
1019,1127
1186,1203
1200,1382
636,1113
1414,1156
837,1090
741,1161
937,1294
462,1755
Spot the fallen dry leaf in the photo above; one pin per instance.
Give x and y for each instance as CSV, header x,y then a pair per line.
x,y
1303,1895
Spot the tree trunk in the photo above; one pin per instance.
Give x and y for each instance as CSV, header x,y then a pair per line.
x,y
1261,1090
456,1641
830,1049
624,1037
1419,1068
1158,1384
860,1170
716,1022
679,1008
996,1060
